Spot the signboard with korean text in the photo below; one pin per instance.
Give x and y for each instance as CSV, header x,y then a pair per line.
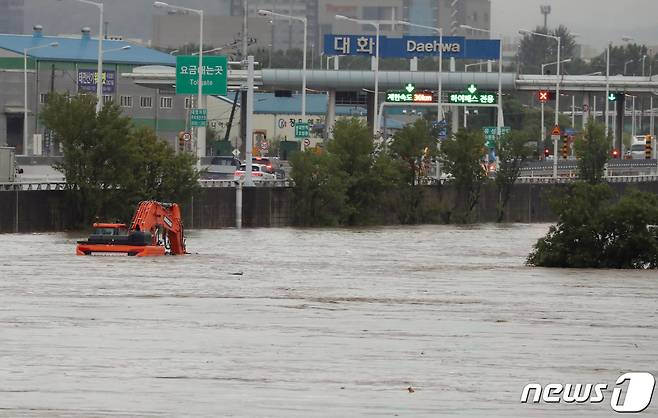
x,y
412,46
215,69
198,117
87,81
473,96
302,130
491,133
409,95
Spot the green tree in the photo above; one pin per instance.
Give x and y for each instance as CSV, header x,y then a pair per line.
x,y
108,164
592,150
535,50
593,232
512,151
412,146
463,155
161,174
353,149
319,189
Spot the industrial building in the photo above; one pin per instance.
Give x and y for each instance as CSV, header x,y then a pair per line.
x,y
71,67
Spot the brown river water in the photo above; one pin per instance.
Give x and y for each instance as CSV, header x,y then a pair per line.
x,y
314,323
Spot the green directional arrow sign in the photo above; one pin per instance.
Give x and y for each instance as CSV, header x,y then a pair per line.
x,y
472,89
612,97
410,87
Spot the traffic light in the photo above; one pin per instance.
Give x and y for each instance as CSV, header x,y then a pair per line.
x,y
648,139
613,97
615,153
545,96
547,152
565,149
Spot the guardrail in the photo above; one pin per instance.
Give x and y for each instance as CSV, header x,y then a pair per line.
x,y
61,185
33,185
609,179
209,184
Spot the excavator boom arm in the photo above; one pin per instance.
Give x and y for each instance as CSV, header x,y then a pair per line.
x,y
152,216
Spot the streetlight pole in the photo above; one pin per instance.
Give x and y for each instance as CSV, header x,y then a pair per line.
x,y
375,24
305,22
439,110
557,73
607,92
626,65
500,121
557,90
25,110
543,124
99,79
201,131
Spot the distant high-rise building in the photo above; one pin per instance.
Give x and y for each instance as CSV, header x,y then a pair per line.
x,y
285,34
446,14
11,16
475,13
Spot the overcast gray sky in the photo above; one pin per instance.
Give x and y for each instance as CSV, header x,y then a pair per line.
x,y
597,21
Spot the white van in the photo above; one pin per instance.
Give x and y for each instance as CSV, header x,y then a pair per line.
x,y
637,151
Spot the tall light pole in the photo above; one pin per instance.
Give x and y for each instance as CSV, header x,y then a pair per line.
x,y
467,66
626,65
543,124
500,121
201,131
375,24
25,124
305,22
99,80
439,110
557,89
557,73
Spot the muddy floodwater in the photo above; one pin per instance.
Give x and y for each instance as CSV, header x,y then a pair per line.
x,y
314,323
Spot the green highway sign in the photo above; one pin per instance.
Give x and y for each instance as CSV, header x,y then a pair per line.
x,y
302,130
198,117
215,69
473,96
479,98
491,133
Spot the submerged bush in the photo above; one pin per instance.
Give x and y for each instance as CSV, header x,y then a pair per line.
x,y
592,232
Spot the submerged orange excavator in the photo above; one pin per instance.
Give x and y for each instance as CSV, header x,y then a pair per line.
x,y
156,229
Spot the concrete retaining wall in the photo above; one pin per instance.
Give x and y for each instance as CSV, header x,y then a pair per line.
x,y
43,211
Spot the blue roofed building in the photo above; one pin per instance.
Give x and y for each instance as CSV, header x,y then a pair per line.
x,y
71,67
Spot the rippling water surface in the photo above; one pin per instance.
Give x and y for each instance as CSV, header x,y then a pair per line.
x,y
301,323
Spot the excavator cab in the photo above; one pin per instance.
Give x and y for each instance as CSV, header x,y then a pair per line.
x,y
109,229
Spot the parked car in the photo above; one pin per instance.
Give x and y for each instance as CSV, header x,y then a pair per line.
x,y
221,167
259,172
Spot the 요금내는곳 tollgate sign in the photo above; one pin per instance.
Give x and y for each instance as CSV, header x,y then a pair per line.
x,y
412,46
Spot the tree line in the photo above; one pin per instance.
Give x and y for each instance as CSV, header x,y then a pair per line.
x,y
358,181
